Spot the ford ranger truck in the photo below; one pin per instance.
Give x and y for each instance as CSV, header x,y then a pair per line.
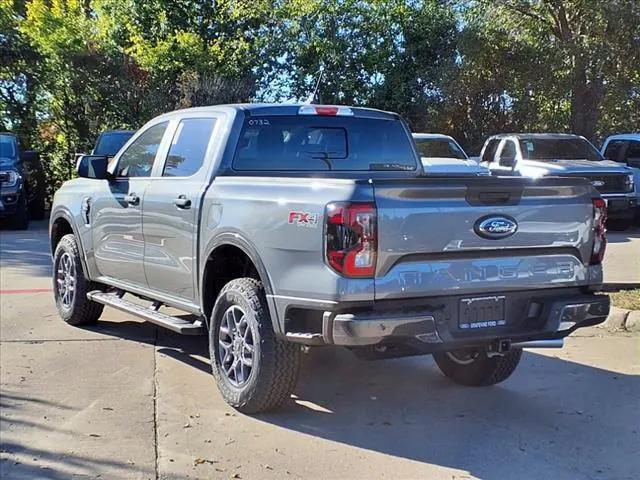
x,y
274,228
539,154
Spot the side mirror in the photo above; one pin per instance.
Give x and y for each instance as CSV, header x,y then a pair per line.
x,y
93,166
30,156
508,161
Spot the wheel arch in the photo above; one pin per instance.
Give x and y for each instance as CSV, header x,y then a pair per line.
x,y
223,245
61,224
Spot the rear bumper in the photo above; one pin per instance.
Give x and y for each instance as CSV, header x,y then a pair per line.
x,y
434,327
621,206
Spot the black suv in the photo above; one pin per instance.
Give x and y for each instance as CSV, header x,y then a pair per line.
x,y
22,183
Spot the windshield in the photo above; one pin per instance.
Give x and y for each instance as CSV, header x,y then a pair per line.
x,y
110,143
548,149
439,148
8,146
316,143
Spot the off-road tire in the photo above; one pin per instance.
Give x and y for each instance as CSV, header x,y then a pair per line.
x,y
81,311
276,362
20,219
482,371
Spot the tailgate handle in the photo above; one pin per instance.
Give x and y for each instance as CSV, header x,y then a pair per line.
x,y
494,197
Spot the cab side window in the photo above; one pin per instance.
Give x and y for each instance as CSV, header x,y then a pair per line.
x,y
490,150
633,151
614,150
188,147
137,160
508,154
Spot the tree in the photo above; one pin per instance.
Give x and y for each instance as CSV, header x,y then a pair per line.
x,y
595,48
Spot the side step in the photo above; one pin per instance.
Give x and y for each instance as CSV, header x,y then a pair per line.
x,y
150,314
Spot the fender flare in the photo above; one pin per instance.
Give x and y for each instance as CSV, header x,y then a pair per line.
x,y
66,215
236,239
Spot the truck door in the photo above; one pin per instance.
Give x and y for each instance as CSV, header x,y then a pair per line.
x,y
171,208
115,210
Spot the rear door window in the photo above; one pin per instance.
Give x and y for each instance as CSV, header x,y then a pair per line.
x,y
188,147
317,143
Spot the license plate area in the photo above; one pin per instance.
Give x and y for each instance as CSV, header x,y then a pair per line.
x,y
481,312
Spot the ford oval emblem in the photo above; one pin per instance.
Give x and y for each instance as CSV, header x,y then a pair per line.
x,y
597,183
496,226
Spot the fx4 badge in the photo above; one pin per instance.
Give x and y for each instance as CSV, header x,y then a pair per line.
x,y
303,219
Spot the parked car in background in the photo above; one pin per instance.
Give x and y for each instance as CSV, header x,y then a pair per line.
x,y
111,141
625,149
22,183
537,155
271,227
442,155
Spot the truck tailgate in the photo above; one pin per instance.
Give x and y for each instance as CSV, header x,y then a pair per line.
x,y
429,241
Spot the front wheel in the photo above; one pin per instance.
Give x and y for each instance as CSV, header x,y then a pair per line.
x,y
474,368
70,286
255,371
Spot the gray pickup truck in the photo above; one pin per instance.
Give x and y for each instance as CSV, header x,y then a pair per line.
x,y
273,228
539,154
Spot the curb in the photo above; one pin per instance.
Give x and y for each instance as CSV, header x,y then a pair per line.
x,y
622,320
617,286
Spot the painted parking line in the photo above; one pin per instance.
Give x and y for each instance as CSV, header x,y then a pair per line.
x,y
26,290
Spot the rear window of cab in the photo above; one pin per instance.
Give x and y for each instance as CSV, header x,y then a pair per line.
x,y
321,143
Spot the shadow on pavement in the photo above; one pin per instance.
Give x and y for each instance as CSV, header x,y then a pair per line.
x,y
553,416
37,463
623,236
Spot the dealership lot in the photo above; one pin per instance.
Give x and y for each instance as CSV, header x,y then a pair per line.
x,y
124,399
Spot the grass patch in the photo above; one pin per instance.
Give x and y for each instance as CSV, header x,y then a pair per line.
x,y
629,299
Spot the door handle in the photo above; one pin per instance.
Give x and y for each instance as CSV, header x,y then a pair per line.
x,y
182,202
132,199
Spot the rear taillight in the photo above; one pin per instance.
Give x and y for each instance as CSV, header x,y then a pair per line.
x,y
351,238
599,231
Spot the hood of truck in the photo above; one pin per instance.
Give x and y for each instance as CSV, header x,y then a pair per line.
x,y
428,240
452,166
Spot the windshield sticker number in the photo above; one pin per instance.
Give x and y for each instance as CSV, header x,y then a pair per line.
x,y
259,121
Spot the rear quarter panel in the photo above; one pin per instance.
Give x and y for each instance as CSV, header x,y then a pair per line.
x,y
263,215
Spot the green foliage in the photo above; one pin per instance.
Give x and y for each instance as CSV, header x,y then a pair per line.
x,y
70,69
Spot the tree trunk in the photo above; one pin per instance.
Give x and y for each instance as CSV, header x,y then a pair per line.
x,y
586,98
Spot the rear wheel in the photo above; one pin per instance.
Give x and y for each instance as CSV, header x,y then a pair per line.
x,y
474,368
70,286
255,371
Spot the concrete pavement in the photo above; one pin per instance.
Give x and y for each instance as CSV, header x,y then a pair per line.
x,y
124,400
622,259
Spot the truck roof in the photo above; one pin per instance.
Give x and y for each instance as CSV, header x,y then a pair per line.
x,y
525,136
285,109
440,136
624,136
